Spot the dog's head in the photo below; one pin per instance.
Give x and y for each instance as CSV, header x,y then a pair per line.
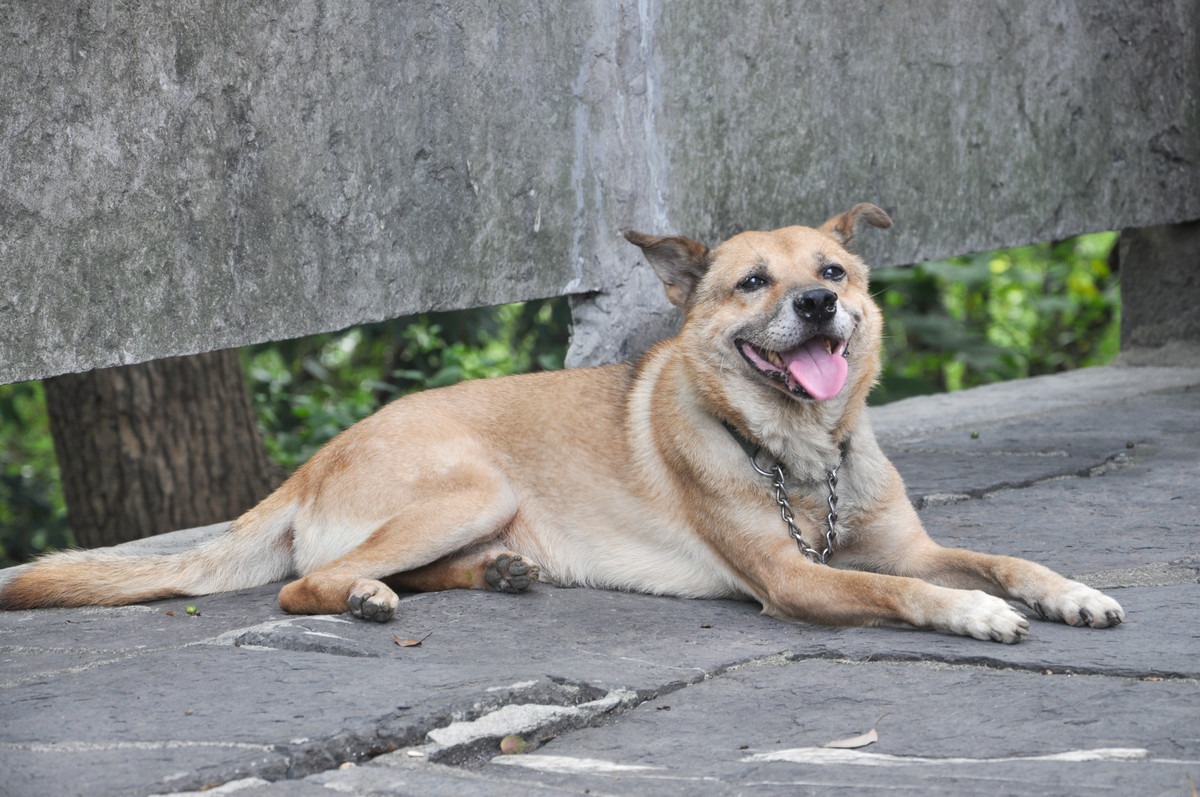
x,y
786,311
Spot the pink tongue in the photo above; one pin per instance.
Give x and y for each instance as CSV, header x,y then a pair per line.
x,y
820,373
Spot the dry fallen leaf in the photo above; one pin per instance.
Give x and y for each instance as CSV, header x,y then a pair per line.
x,y
854,742
411,643
513,745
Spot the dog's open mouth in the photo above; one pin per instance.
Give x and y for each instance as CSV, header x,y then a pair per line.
x,y
815,369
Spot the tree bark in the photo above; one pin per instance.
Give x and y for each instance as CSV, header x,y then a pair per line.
x,y
158,446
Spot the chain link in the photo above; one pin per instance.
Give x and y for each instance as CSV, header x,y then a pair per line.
x,y
779,478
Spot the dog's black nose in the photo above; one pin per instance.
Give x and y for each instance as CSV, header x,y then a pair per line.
x,y
819,304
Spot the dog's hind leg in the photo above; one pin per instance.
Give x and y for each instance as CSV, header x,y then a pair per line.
x,y
492,567
462,507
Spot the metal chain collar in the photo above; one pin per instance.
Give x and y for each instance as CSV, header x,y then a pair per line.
x,y
778,477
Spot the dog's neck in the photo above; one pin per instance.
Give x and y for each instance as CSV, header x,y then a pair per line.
x,y
808,463
805,438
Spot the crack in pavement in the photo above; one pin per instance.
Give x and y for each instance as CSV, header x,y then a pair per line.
x,y
943,662
1110,464
466,737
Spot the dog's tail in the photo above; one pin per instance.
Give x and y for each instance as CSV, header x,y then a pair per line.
x,y
257,549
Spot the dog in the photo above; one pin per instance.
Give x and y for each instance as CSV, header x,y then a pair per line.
x,y
734,460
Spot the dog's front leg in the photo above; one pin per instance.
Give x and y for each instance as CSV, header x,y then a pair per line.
x,y
896,543
802,590
1052,596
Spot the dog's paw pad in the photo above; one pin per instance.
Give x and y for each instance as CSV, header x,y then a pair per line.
x,y
510,573
373,600
1080,606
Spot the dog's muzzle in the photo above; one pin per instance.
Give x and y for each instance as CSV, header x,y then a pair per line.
x,y
815,369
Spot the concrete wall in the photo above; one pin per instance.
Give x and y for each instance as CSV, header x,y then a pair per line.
x,y
1160,291
184,176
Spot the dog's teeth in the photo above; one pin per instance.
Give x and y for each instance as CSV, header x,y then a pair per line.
x,y
774,358
828,346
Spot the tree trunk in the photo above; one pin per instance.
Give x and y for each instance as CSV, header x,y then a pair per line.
x,y
155,447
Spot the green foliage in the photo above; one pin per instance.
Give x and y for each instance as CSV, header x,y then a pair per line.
x,y
33,517
967,321
307,390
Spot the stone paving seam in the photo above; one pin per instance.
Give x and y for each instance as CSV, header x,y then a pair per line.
x,y
466,742
999,665
1115,462
477,750
315,756
930,662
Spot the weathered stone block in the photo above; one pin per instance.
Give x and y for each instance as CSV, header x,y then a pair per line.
x,y
1160,289
182,177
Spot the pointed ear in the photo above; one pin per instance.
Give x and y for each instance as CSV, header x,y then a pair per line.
x,y
841,228
679,263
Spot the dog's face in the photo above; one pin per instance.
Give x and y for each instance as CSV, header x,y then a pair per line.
x,y
776,317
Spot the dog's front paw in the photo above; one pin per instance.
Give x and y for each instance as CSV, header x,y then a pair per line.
x,y
1080,605
984,616
373,600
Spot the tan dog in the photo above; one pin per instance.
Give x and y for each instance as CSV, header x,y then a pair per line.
x,y
627,477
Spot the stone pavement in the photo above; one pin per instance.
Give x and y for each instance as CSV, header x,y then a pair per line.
x,y
1094,473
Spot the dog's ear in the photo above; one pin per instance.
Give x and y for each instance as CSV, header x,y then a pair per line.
x,y
679,263
841,228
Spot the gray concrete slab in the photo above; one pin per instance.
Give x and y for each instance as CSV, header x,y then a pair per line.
x,y
940,729
178,180
631,694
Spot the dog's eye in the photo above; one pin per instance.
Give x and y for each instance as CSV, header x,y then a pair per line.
x,y
753,283
833,273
